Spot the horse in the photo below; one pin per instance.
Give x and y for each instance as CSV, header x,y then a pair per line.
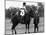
x,y
22,19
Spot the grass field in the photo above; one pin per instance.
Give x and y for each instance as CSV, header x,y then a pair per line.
x,y
20,28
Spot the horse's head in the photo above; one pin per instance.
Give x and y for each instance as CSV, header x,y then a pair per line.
x,y
30,11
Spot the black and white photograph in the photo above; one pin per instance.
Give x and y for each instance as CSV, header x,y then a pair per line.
x,y
24,17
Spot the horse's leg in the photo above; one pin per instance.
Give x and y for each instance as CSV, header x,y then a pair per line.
x,y
12,32
15,31
15,27
12,29
26,28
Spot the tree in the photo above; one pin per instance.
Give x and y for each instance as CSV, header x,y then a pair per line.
x,y
41,9
7,13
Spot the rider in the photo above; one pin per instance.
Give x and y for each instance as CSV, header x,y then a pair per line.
x,y
23,9
24,6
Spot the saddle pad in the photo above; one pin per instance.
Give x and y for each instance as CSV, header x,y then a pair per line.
x,y
22,13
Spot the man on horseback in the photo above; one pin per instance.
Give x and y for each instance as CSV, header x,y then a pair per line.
x,y
26,17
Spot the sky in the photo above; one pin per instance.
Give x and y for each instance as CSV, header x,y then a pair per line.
x,y
17,4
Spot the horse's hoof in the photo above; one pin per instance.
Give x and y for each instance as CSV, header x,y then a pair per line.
x,y
34,32
28,32
25,32
15,32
